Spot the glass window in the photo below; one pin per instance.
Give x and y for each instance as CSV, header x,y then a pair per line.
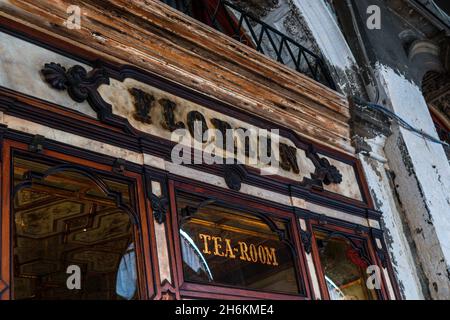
x,y
226,247
70,241
343,268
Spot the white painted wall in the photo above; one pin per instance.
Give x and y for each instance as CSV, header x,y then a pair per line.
x,y
423,179
381,190
335,49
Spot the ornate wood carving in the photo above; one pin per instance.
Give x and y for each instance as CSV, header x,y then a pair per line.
x,y
37,144
169,116
325,172
143,104
234,176
288,157
159,208
77,81
306,240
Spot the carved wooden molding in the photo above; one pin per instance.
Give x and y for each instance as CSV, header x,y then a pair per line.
x,y
82,85
37,144
325,172
234,176
381,252
79,84
159,208
182,51
168,291
306,241
358,253
119,166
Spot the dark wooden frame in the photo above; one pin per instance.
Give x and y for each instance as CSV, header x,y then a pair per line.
x,y
124,135
145,249
358,234
196,290
118,132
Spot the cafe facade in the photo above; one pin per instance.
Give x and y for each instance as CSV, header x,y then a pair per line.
x,y
94,206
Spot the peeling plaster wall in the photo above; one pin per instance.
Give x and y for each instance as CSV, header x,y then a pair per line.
x,y
422,180
312,22
380,185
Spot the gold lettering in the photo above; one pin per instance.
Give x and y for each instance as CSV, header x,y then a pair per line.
x,y
253,253
205,239
229,250
248,252
244,249
262,254
271,256
217,246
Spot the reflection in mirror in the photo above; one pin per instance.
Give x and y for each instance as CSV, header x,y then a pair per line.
x,y
66,223
344,269
227,247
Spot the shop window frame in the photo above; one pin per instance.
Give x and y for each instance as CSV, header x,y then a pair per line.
x,y
351,232
235,202
143,224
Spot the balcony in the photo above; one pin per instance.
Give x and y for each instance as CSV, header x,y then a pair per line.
x,y
245,28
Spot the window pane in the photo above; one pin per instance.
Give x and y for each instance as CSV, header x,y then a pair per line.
x,y
345,271
226,247
70,240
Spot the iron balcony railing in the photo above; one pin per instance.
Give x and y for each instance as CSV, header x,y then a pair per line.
x,y
242,26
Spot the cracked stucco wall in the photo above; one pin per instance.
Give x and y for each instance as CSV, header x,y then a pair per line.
x,y
422,181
